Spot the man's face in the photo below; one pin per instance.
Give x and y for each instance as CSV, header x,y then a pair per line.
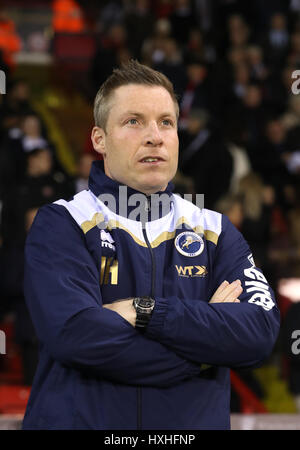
x,y
140,145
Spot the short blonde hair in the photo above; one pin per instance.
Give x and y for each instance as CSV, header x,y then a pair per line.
x,y
130,73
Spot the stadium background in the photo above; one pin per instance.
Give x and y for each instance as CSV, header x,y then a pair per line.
x,y
233,67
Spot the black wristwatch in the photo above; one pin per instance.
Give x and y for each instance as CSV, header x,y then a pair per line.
x,y
144,307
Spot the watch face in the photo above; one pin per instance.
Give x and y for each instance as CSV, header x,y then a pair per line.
x,y
145,303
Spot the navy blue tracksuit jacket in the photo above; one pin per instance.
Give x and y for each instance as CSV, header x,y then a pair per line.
x,y
96,371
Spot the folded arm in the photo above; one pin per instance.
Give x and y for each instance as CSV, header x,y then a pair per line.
x,y
233,334
62,290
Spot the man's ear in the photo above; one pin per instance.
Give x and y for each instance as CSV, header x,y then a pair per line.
x,y
98,140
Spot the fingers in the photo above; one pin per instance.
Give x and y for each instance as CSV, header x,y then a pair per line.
x,y
220,289
232,291
227,292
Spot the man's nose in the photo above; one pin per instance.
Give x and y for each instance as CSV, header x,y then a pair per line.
x,y
153,134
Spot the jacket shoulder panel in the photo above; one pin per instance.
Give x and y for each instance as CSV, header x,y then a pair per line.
x,y
204,221
84,209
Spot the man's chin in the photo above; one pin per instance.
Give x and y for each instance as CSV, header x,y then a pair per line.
x,y
149,190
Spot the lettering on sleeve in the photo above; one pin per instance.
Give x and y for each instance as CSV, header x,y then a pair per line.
x,y
260,288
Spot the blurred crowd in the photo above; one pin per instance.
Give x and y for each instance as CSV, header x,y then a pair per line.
x,y
30,176
233,65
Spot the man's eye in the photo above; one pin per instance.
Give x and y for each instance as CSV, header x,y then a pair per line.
x,y
132,121
167,122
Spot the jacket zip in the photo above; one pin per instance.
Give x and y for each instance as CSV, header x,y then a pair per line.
x,y
139,389
148,208
152,262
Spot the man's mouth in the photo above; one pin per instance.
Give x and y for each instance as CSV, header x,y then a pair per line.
x,y
151,159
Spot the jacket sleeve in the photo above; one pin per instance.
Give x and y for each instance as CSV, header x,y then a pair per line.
x,y
227,334
62,291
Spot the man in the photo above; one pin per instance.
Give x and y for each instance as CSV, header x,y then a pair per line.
x,y
138,323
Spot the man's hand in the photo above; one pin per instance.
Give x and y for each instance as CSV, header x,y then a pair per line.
x,y
227,292
125,308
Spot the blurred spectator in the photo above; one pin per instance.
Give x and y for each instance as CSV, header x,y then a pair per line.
x,y
291,117
32,135
295,6
139,22
153,49
83,172
258,200
42,183
222,78
276,41
238,31
43,180
172,65
16,102
236,56
241,80
232,206
204,10
197,47
255,58
112,49
250,111
202,151
241,165
25,137
182,19
196,91
112,13
268,158
248,11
